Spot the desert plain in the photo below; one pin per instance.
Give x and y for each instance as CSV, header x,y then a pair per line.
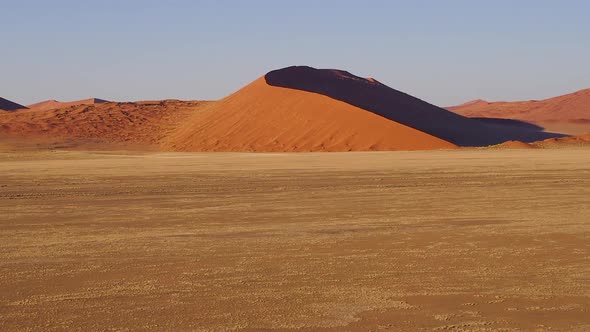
x,y
460,240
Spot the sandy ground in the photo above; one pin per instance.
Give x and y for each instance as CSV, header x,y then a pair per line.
x,y
466,240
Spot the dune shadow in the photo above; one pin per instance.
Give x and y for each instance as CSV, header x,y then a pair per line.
x,y
10,106
375,97
510,123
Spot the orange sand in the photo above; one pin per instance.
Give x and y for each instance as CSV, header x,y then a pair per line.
x,y
133,124
550,143
513,145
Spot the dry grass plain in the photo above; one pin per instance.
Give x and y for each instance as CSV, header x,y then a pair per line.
x,y
466,240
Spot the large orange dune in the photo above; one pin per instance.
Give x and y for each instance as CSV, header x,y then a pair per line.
x,y
54,104
7,105
261,117
568,113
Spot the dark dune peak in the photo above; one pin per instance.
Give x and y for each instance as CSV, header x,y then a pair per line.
x,y
7,105
98,101
400,107
310,79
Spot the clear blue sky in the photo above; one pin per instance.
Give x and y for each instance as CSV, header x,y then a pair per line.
x,y
444,52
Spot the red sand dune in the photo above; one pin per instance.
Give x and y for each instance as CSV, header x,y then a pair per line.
x,y
7,105
54,104
135,124
261,117
568,112
513,145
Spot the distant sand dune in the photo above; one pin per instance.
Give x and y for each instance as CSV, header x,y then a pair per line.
x,y
131,124
569,113
513,145
54,104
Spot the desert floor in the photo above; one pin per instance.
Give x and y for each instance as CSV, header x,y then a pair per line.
x,y
473,240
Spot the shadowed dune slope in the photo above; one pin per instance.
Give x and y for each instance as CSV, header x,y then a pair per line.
x,y
7,105
573,107
261,117
510,123
370,95
54,104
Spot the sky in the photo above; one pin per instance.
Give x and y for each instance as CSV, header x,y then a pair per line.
x,y
445,52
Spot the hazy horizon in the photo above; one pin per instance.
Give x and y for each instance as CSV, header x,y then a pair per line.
x,y
444,53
